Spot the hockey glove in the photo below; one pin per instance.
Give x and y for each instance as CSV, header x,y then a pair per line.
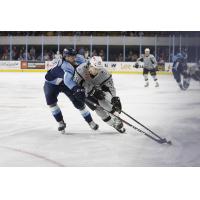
x,y
98,94
136,65
117,106
79,93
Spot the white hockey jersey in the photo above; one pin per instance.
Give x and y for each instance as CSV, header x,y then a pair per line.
x,y
103,80
149,61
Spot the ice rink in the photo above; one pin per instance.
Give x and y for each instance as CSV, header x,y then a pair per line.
x,y
29,136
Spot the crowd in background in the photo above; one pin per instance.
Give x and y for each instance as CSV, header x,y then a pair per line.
x,y
99,33
115,52
34,54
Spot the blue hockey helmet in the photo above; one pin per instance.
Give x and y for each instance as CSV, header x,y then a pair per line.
x,y
69,52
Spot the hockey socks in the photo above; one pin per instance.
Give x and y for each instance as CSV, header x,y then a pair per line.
x,y
86,115
56,112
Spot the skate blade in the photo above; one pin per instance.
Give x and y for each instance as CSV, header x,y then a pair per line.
x,y
63,132
122,131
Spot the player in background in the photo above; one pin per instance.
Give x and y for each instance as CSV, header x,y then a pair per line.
x,y
150,64
180,70
194,71
59,79
57,56
100,90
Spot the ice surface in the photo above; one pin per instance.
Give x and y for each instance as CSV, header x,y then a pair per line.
x,y
29,137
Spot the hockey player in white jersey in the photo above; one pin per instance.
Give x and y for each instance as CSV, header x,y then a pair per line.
x,y
150,64
100,90
58,56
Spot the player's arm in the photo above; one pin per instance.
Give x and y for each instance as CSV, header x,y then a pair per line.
x,y
108,86
115,101
68,75
140,59
79,73
175,65
154,61
68,80
77,90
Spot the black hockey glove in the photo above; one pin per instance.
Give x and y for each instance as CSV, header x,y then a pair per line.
x,y
98,94
117,106
79,93
136,65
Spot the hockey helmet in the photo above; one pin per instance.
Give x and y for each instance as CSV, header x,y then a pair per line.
x,y
97,62
147,50
69,52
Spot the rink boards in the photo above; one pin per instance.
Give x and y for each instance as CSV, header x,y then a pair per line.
x,y
113,67
113,72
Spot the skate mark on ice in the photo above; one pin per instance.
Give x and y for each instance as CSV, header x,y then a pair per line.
x,y
34,155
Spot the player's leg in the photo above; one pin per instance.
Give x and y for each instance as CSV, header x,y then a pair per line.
x,y
110,120
145,74
105,116
118,124
154,76
186,80
51,93
99,111
177,77
80,105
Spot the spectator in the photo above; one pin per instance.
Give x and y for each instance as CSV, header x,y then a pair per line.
x,y
129,57
94,53
15,53
26,56
101,53
5,55
32,53
57,56
20,56
46,56
120,58
134,57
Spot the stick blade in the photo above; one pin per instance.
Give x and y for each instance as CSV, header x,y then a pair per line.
x,y
164,140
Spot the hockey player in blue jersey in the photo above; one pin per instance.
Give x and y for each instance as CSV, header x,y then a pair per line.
x,y
59,79
180,69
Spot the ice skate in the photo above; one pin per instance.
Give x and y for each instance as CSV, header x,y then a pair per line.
x,y
186,83
118,125
93,125
61,127
157,84
181,86
146,84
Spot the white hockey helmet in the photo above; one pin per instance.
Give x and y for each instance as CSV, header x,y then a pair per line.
x,y
147,50
97,62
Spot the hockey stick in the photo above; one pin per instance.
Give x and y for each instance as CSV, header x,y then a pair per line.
x,y
164,139
160,140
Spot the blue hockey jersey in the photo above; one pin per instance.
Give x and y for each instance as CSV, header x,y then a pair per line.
x,y
179,58
63,71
